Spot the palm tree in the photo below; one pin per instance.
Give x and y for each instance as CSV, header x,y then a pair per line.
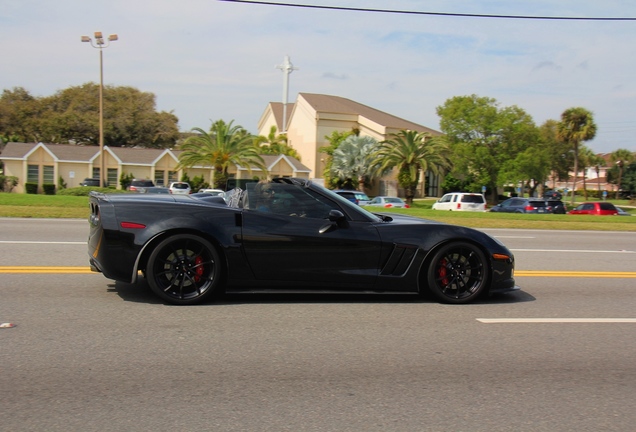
x,y
597,162
275,144
412,153
223,146
621,157
577,125
353,160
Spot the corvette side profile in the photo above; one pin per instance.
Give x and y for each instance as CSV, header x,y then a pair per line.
x,y
287,234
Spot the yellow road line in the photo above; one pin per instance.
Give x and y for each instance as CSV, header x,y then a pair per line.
x,y
574,274
519,273
40,269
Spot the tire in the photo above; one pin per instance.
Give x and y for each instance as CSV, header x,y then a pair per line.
x,y
458,273
184,269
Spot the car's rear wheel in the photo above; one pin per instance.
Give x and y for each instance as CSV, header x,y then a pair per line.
x,y
184,269
458,273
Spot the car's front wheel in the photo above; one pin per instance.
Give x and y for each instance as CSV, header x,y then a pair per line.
x,y
184,269
458,273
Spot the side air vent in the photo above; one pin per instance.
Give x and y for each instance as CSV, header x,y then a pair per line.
x,y
399,261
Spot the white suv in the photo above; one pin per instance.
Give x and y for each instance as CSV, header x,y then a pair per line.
x,y
179,188
461,201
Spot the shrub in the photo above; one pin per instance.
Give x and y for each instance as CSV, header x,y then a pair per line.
x,y
31,188
49,189
85,190
125,180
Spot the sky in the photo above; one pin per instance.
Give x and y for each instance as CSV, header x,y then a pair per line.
x,y
207,60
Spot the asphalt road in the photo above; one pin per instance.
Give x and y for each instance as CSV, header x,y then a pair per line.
x,y
91,355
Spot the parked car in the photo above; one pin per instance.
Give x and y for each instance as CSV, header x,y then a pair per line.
x,y
388,202
521,205
137,185
552,195
190,246
461,201
599,208
155,190
556,206
357,197
90,182
215,192
180,188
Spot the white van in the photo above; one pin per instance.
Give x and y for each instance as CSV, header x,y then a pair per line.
x,y
461,201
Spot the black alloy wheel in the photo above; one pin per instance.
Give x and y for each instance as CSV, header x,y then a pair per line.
x,y
184,269
458,273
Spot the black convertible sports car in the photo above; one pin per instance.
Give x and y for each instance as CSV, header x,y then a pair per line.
x,y
287,234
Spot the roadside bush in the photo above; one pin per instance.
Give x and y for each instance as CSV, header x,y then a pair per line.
x,y
49,189
85,190
31,188
125,180
7,183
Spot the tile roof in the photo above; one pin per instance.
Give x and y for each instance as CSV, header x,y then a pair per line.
x,y
337,104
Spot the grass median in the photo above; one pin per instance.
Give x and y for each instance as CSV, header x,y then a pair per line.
x,y
66,206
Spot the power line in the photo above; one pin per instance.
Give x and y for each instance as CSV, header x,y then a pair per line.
x,y
445,14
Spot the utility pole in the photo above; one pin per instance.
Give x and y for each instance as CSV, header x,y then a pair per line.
x,y
287,67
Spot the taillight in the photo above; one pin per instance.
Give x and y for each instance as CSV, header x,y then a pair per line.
x,y
132,225
407,206
459,206
388,205
529,207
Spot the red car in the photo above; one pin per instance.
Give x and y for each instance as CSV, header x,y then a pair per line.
x,y
595,208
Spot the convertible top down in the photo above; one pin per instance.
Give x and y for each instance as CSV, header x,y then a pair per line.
x,y
287,234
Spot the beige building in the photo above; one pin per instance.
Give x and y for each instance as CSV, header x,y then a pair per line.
x,y
55,163
313,117
310,120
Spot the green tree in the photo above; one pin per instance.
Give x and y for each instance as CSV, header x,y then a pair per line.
x,y
559,153
597,162
412,153
353,161
275,144
224,145
576,126
72,114
621,158
484,137
19,111
586,159
335,139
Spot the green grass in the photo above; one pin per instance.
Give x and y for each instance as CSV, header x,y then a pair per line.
x,y
67,206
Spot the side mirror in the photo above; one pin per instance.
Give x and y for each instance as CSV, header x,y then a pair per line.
x,y
336,219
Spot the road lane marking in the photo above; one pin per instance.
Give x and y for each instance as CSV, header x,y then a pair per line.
x,y
519,273
574,274
554,320
43,269
574,251
42,242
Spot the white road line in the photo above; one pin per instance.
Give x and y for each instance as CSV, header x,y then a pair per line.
x,y
574,250
554,320
41,242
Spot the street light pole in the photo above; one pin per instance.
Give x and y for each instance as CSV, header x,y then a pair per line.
x,y
100,44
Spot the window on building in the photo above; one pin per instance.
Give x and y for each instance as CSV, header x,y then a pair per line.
x,y
48,174
96,172
172,176
33,174
159,177
111,176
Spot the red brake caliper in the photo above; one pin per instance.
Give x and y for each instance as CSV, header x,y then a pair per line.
x,y
198,272
441,271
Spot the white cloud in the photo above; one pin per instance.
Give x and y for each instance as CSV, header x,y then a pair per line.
x,y
207,59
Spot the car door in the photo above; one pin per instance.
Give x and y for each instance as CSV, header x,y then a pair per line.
x,y
295,241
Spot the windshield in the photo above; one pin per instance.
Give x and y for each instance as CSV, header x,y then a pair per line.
x,y
349,205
